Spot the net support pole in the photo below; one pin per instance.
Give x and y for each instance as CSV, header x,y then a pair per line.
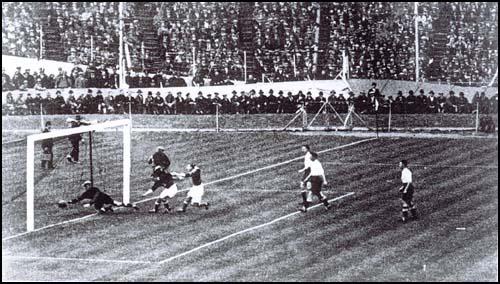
x,y
126,162
91,165
477,117
390,114
30,184
217,118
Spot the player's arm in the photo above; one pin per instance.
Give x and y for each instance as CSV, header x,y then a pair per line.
x,y
305,168
324,178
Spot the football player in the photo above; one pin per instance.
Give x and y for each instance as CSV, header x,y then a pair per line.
x,y
196,192
317,178
165,180
407,192
159,158
305,186
101,201
75,139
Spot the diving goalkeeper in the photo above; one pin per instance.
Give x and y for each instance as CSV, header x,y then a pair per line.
x,y
100,200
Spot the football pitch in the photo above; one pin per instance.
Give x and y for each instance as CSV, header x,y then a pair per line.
x,y
253,230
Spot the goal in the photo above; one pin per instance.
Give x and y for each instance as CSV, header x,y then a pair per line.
x,y
102,157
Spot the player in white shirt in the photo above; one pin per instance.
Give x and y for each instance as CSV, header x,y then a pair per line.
x,y
305,186
316,178
407,192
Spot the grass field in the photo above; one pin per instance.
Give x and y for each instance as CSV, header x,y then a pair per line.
x,y
253,232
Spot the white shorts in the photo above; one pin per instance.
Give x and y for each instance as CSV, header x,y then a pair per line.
x,y
196,193
169,192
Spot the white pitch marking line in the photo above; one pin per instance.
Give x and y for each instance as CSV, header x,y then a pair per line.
x,y
75,259
248,230
414,165
212,182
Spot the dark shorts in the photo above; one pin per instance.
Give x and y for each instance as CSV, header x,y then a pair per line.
x,y
102,200
408,196
316,184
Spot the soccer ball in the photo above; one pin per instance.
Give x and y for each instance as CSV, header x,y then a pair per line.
x,y
62,204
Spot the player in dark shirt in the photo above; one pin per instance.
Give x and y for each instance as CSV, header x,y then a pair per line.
x,y
47,145
159,158
165,180
100,200
75,139
196,192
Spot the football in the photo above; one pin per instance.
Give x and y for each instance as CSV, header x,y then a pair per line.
x,y
62,204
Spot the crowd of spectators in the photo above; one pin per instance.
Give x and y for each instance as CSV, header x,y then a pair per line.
x,y
92,77
472,49
378,37
251,102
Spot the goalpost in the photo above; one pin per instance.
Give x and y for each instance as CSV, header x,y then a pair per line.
x,y
63,173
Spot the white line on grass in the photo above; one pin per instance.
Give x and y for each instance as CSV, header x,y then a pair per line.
x,y
414,165
208,183
75,259
247,230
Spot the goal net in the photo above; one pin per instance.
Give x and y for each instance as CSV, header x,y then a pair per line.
x,y
99,153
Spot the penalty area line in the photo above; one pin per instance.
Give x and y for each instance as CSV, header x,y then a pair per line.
x,y
209,183
248,230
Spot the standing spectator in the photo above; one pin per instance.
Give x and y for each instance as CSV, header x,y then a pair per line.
x,y
139,103
433,105
59,104
6,82
411,102
81,81
451,103
28,77
463,103
159,104
179,104
170,103
441,100
149,104
62,80
421,102
17,79
30,104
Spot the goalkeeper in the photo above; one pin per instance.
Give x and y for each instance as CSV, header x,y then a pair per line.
x,y
101,201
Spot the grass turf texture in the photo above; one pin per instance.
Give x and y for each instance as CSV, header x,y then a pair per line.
x,y
360,240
